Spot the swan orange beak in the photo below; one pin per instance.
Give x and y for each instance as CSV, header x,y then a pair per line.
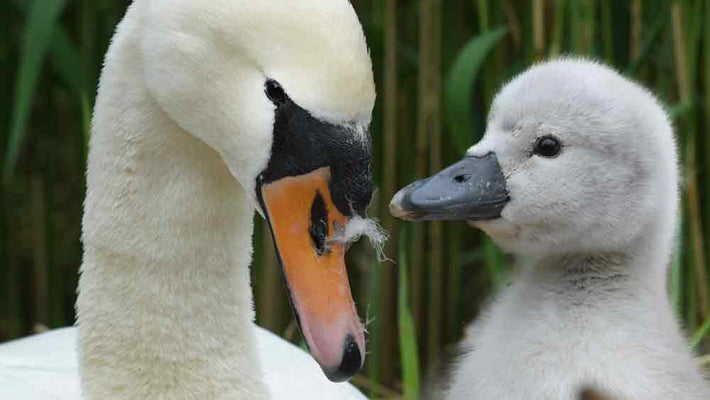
x,y
304,222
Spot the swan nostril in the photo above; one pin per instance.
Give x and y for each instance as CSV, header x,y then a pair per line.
x,y
318,228
462,178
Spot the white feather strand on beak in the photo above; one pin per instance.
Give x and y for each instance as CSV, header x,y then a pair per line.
x,y
357,227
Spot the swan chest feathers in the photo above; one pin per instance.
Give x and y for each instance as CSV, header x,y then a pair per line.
x,y
44,367
590,333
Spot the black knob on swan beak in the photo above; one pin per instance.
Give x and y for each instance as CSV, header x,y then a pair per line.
x,y
350,364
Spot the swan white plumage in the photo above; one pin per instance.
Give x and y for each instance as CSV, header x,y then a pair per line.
x,y
206,111
577,170
45,366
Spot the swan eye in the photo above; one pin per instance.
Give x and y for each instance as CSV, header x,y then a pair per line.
x,y
547,146
275,92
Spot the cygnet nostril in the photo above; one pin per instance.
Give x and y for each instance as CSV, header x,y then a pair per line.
x,y
461,178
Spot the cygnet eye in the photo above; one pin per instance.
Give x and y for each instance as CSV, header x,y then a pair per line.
x,y
547,146
275,92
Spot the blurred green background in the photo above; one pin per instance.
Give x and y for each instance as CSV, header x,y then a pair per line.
x,y
437,65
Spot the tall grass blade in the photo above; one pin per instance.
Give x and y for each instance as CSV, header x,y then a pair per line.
x,y
588,21
407,334
699,334
706,151
387,280
559,28
654,33
382,297
636,29
419,271
607,32
85,122
482,15
41,261
389,117
676,273
430,124
70,67
41,23
68,63
575,26
686,32
459,83
270,281
678,111
539,27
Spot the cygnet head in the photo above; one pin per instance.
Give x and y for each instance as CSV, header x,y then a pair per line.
x,y
283,90
575,158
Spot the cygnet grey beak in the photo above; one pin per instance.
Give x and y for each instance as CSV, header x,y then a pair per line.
x,y
472,189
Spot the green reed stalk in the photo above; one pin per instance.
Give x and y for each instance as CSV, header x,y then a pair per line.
x,y
41,21
636,29
408,350
588,21
40,262
706,151
271,296
676,272
386,311
538,20
685,40
430,123
607,31
559,28
418,270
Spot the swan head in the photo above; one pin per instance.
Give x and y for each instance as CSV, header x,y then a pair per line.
x,y
575,158
283,91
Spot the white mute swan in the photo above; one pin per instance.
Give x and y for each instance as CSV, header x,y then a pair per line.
x,y
206,111
577,170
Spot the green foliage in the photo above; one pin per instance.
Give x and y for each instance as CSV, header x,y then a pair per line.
x,y
407,334
70,67
700,333
651,39
459,84
41,23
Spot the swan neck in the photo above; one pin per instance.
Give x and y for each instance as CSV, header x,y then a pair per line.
x,y
165,307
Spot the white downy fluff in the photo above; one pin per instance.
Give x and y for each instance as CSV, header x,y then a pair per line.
x,y
358,227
